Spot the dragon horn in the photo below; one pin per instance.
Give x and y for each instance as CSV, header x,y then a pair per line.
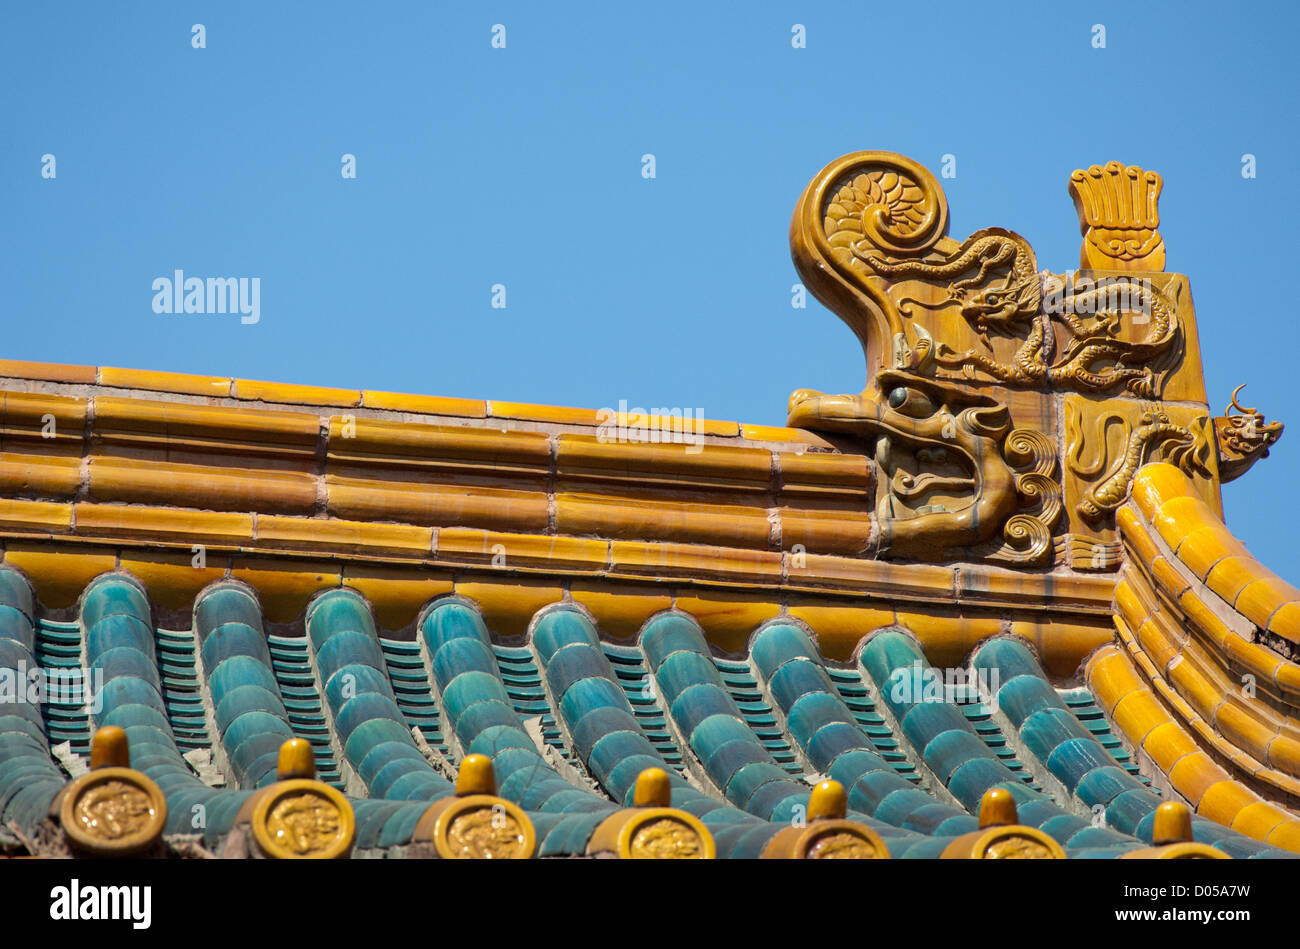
x,y
924,348
1236,405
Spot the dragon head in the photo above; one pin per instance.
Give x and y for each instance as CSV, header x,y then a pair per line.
x,y
1002,305
944,483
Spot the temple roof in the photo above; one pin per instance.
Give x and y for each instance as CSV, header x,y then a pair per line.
x,y
987,606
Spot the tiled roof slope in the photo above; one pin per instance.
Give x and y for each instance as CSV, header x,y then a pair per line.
x,y
403,582
1202,682
724,771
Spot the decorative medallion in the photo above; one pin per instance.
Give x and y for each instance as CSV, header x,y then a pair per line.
x,y
663,833
483,827
839,840
303,819
113,811
664,839
1016,842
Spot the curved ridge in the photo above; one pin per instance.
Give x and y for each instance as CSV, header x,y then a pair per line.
x,y
954,753
482,719
29,778
118,640
1205,683
234,666
1072,755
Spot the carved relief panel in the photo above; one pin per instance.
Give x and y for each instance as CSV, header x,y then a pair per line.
x,y
1008,407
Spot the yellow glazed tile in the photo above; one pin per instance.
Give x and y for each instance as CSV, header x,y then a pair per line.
x,y
824,532
157,482
1178,517
1285,835
41,419
1111,678
1205,547
582,458
285,586
542,413
164,524
1223,801
1155,484
1128,604
335,536
1203,617
1138,714
43,516
1135,532
1286,622
771,433
1233,574
295,394
839,629
1261,599
174,578
660,520
1258,820
1063,643
424,404
1194,774
1283,753
1158,647
1167,578
509,606
1195,687
1244,731
437,505
58,574
396,594
44,475
41,475
620,609
173,426
695,562
505,551
422,446
47,371
212,386
1287,677
1254,658
946,635
1167,744
728,619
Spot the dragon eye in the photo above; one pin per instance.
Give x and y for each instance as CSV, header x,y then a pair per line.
x,y
910,402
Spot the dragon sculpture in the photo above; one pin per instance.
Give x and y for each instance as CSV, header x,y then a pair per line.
x,y
1094,358
957,480
952,329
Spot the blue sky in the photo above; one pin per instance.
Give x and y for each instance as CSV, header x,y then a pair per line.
x,y
522,166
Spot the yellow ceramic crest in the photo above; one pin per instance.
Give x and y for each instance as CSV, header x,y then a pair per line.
x,y
838,839
1016,842
113,811
1001,835
1171,834
483,827
664,833
303,819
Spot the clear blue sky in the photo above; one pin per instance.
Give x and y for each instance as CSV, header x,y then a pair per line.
x,y
522,166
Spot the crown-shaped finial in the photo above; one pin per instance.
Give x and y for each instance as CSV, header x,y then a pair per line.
x,y
1118,217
